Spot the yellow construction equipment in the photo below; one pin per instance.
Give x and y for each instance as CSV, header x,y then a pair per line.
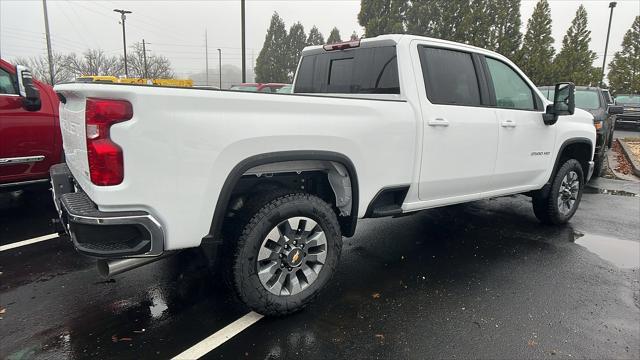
x,y
141,81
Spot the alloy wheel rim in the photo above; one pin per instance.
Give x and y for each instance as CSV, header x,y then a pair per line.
x,y
291,256
568,192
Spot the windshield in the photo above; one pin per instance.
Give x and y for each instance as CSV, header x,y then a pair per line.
x,y
587,99
547,92
245,88
628,99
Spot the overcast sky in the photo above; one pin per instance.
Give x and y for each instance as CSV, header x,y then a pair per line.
x,y
176,29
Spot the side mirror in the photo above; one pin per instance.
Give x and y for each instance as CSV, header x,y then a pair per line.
x,y
564,103
28,91
615,110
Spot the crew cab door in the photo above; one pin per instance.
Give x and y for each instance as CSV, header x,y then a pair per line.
x,y
26,137
526,144
460,135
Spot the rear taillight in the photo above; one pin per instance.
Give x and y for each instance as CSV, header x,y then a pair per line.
x,y
106,165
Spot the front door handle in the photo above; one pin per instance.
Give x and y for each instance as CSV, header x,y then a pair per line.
x,y
438,122
509,124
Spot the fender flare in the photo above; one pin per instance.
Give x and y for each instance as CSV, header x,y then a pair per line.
x,y
571,141
576,140
349,224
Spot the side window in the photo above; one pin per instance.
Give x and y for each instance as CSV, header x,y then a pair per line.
x,y
6,83
450,77
512,92
607,97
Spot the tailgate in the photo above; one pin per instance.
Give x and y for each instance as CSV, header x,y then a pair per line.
x,y
72,126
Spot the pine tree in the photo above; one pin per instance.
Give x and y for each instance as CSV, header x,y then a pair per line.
x,y
479,20
354,36
315,37
624,69
334,36
380,17
575,59
536,56
506,36
272,63
296,41
443,19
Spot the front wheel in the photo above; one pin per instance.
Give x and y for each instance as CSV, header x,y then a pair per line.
x,y
562,200
287,250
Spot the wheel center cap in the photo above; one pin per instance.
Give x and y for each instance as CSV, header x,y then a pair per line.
x,y
295,256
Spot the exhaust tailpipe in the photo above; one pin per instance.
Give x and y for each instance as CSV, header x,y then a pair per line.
x,y
109,268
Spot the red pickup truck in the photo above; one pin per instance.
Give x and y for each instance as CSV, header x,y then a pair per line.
x,y
30,140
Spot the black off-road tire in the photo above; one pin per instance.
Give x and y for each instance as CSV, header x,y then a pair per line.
x,y
546,207
261,215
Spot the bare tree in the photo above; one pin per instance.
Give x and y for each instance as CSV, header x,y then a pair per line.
x,y
158,66
94,62
39,66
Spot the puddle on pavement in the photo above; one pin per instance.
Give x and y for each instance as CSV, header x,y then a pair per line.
x,y
622,253
158,304
592,190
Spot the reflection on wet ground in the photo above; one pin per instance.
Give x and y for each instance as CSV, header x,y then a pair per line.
x,y
622,253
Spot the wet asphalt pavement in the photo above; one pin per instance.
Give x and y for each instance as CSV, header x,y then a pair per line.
x,y
481,280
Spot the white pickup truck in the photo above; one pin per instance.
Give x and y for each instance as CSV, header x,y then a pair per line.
x,y
378,127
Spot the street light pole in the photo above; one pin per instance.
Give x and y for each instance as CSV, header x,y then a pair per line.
x,y
206,56
604,60
220,66
123,17
49,52
244,50
144,56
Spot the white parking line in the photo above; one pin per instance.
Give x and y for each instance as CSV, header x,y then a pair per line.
x,y
27,242
220,337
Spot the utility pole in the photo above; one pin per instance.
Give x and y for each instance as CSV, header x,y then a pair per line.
x,y
49,52
123,17
220,66
206,55
144,56
606,45
244,50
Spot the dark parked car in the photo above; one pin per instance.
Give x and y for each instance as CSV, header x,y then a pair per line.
x,y
598,102
631,106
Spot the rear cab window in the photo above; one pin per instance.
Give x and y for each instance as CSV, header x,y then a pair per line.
x,y
367,70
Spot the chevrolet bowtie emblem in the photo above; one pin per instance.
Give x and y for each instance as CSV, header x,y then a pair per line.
x,y
296,257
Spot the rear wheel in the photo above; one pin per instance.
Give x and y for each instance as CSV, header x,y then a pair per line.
x,y
286,251
562,200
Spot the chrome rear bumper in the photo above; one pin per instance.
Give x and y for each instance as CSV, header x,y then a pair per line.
x,y
99,233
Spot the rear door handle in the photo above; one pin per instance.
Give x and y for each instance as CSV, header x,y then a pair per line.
x,y
438,122
508,123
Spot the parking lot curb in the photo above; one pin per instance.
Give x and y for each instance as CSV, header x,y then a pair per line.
x,y
635,165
